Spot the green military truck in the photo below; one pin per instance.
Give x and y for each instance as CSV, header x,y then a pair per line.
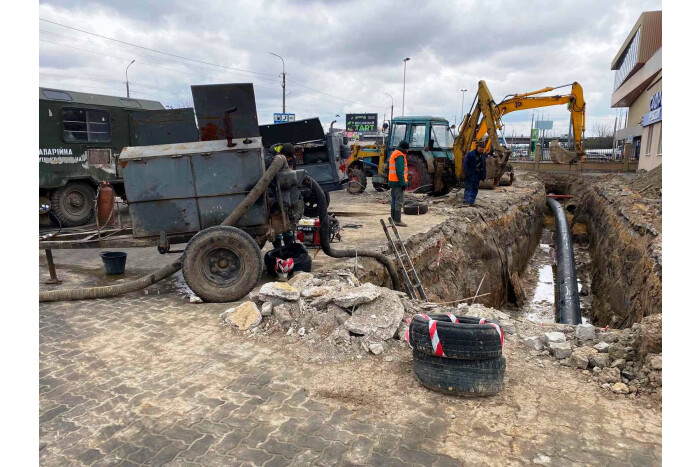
x,y
80,138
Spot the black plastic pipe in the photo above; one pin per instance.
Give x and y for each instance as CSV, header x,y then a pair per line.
x,y
349,253
568,306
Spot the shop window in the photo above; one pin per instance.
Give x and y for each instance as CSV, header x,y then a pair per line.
x,y
650,137
85,126
658,152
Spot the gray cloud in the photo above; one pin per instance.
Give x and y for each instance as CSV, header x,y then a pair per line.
x,y
352,50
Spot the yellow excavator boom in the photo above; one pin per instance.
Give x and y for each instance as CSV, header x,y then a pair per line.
x,y
486,116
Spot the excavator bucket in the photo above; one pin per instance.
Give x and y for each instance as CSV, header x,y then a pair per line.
x,y
562,156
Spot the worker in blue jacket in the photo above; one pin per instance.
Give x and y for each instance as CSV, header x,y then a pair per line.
x,y
474,169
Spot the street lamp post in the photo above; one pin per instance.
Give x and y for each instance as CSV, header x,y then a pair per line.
x,y
127,77
403,100
392,105
463,91
284,83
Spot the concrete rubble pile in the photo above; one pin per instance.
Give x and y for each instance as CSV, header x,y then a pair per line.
x,y
335,310
625,361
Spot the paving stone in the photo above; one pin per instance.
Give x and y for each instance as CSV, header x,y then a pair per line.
x,y
198,448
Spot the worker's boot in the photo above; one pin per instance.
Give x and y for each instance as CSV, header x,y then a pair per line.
x,y
397,220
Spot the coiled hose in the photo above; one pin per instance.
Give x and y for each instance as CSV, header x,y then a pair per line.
x,y
338,253
146,281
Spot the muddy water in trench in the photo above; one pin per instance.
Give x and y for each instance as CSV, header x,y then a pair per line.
x,y
538,279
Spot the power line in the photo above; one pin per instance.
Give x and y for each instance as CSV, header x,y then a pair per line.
x,y
153,50
202,62
132,53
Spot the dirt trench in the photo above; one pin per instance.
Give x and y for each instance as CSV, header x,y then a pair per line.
x,y
623,217
493,242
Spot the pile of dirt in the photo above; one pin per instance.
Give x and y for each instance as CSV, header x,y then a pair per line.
x,y
648,184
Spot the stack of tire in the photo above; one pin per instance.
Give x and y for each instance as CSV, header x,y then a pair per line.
x,y
459,355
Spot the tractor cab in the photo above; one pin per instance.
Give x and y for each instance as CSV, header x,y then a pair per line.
x,y
430,158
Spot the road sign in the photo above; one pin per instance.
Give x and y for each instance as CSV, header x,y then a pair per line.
x,y
284,118
544,124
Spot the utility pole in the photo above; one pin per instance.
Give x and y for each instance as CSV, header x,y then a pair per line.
x,y
403,100
284,84
463,91
127,77
392,105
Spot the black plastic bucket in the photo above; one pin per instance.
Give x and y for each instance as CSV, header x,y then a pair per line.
x,y
114,261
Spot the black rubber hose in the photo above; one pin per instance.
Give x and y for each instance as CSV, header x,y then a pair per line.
x,y
568,305
338,253
143,282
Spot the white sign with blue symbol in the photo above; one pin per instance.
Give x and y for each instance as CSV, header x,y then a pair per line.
x,y
654,114
284,118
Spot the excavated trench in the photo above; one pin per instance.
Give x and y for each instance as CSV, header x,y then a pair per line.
x,y
507,245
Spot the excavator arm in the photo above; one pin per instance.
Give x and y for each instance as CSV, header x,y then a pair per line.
x,y
486,119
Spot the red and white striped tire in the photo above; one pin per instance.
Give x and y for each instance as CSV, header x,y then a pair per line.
x,y
456,337
459,377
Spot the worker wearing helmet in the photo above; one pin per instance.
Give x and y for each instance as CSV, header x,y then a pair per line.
x,y
398,181
474,169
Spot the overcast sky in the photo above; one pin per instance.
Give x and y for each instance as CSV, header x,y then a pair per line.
x,y
342,56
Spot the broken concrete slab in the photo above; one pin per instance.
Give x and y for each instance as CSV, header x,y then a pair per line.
x,y
602,347
601,360
283,315
279,290
378,319
585,332
244,316
301,280
355,296
560,350
554,337
579,359
266,309
533,342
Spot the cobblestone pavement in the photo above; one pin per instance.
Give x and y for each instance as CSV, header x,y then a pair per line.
x,y
152,380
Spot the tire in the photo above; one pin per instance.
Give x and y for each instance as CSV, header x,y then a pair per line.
x,y
226,283
311,207
74,204
378,187
296,251
460,377
419,180
466,340
358,181
415,209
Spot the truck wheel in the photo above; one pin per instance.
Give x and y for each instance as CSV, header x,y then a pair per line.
x,y
74,204
419,180
358,181
222,264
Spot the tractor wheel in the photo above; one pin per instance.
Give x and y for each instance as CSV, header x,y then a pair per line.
x,y
419,180
74,204
358,181
222,264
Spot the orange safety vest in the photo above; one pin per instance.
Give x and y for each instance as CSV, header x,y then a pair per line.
x,y
392,166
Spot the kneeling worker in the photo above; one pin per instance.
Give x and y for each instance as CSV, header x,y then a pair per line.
x,y
398,181
474,168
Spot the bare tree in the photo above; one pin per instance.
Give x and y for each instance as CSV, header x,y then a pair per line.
x,y
601,130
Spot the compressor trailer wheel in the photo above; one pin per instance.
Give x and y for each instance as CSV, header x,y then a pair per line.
x,y
222,264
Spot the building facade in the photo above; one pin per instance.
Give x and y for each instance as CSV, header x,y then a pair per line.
x,y
637,87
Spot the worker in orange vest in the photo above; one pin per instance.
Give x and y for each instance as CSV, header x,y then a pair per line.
x,y
398,181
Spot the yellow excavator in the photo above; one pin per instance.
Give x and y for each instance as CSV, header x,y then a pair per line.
x,y
484,120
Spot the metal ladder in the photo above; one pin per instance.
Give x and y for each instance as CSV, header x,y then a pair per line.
x,y
410,286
